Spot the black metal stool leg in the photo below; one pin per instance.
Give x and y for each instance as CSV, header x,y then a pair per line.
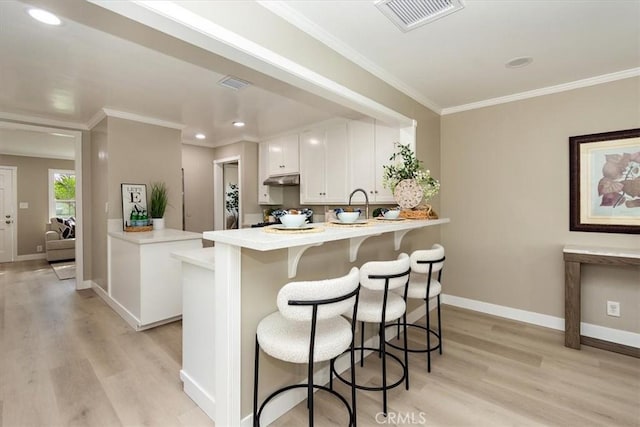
x,y
310,390
353,381
361,344
406,352
255,385
426,302
383,354
439,327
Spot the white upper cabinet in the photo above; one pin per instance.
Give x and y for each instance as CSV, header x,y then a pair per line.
x,y
371,144
266,195
283,155
324,165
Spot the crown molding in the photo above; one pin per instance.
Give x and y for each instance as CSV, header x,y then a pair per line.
x,y
298,20
592,81
42,121
109,112
97,118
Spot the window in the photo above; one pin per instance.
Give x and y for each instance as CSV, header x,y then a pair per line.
x,y
62,193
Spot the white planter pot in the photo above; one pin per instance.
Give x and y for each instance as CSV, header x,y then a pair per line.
x,y
158,223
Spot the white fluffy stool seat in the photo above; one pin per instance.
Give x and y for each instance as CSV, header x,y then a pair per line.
x,y
307,328
418,288
370,306
289,340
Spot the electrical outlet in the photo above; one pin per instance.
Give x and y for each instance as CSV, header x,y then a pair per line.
x,y
613,308
39,248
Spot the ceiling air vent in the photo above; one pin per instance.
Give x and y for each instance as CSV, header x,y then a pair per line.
x,y
233,83
409,14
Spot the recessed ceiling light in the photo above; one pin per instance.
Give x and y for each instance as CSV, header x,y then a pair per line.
x,y
238,124
519,62
200,136
44,17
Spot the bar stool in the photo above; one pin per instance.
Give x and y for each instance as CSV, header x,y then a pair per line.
x,y
308,328
425,284
376,304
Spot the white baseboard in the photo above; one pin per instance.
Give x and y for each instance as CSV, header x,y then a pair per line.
x,y
133,321
31,257
204,400
86,284
589,330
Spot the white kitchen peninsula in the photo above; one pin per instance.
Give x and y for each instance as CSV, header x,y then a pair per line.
x,y
145,284
251,265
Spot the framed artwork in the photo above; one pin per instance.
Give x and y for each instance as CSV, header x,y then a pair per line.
x,y
134,198
604,182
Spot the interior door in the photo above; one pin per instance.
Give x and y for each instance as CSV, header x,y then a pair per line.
x,y
7,214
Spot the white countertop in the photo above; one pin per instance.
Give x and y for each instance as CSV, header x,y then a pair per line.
x,y
204,257
155,236
258,239
602,251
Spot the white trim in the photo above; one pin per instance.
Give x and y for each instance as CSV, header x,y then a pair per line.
x,y
97,118
41,121
298,20
132,320
30,257
617,336
199,395
592,81
142,119
506,312
177,21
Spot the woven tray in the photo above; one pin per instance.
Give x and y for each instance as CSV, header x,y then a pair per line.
x,y
280,231
139,229
422,212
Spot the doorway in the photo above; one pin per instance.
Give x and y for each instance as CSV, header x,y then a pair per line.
x,y
227,208
8,202
75,138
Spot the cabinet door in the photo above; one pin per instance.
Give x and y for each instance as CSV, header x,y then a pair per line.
x,y
337,164
312,166
266,195
290,157
362,155
386,137
283,155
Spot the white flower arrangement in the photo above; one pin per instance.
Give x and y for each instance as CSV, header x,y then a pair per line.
x,y
407,166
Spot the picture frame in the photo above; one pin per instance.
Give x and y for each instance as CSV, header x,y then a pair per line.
x,y
604,182
134,197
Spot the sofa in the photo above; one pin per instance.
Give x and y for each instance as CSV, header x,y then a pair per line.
x,y
60,241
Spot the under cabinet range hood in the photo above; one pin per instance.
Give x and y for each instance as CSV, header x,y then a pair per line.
x,y
282,180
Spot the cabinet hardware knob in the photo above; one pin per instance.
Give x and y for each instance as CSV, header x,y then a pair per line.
x,y
8,221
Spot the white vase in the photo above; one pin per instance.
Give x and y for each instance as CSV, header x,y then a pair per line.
x,y
408,193
158,223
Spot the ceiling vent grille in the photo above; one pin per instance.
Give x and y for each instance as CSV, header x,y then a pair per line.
x,y
233,83
409,14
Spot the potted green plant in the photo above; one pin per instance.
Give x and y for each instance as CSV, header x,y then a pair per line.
x,y
407,179
158,204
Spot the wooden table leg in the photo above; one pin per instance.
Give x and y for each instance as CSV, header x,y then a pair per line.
x,y
572,304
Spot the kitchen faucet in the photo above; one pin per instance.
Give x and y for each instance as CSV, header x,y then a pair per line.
x,y
366,198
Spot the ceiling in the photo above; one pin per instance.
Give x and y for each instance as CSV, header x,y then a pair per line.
x,y
67,74
460,59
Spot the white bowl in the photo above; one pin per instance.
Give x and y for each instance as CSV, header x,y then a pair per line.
x,y
391,214
293,220
348,216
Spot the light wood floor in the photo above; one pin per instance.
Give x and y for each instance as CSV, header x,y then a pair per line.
x,y
67,359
